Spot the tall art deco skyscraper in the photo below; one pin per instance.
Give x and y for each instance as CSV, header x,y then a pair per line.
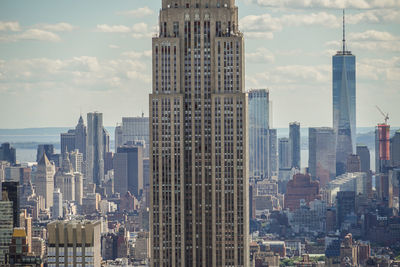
x,y
344,104
199,187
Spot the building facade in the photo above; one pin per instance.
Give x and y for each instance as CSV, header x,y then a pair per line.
x,y
258,134
94,148
344,104
74,243
284,154
44,180
198,142
365,157
295,144
322,156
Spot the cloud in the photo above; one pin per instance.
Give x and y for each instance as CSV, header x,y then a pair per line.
x,y
31,34
137,55
113,28
260,55
375,16
331,4
113,46
9,26
58,27
263,26
138,30
370,40
84,72
139,12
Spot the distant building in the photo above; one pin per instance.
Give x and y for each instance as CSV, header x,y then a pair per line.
x,y
8,153
344,104
19,253
74,243
57,209
273,153
128,170
295,144
322,157
345,205
395,149
135,129
6,228
67,141
95,148
118,136
44,180
284,154
365,157
80,137
11,192
382,147
48,149
76,159
300,188
353,163
258,134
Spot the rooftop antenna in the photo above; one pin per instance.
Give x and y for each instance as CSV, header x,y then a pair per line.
x,y
344,33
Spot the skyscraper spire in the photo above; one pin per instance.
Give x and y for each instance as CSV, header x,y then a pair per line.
x,y
344,33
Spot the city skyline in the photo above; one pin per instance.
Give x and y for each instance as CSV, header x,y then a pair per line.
x,y
53,57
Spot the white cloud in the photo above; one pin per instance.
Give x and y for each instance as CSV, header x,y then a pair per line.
x,y
113,28
139,12
260,55
332,4
31,34
9,26
137,55
58,27
370,40
113,46
263,26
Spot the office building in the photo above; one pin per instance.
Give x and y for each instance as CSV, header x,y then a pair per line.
x,y
44,180
300,188
118,136
57,209
128,170
135,129
26,223
8,153
353,163
345,205
11,192
48,149
382,148
395,149
76,159
322,156
19,253
258,134
273,153
74,243
358,182
198,137
284,154
67,141
295,144
365,157
95,148
6,228
344,103
80,137
17,174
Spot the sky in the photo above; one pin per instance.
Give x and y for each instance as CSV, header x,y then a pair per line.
x,y
60,59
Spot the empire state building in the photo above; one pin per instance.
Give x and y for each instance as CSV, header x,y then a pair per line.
x,y
198,137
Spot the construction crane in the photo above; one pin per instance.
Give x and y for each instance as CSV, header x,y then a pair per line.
x,y
386,116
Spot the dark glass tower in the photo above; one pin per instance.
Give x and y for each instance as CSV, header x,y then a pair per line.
x,y
344,104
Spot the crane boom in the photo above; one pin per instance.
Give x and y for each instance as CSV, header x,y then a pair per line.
x,y
386,116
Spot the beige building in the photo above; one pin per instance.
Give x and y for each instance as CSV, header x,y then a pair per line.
x,y
44,180
198,137
74,243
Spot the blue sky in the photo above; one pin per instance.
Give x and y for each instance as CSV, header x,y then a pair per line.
x,y
60,58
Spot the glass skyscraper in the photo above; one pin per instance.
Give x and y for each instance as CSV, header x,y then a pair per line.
x,y
258,133
344,104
